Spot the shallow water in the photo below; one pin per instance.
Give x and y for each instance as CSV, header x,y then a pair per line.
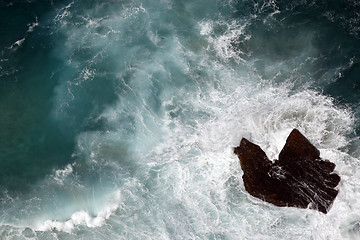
x,y
119,118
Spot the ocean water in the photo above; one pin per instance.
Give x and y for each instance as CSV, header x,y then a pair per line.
x,y
118,118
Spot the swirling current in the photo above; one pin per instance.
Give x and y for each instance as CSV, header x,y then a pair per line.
x,y
118,118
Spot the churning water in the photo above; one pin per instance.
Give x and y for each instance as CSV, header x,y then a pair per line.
x,y
118,118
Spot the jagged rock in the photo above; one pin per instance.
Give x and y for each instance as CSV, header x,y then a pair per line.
x,y
300,178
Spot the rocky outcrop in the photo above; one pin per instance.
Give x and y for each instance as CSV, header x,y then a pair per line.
x,y
300,178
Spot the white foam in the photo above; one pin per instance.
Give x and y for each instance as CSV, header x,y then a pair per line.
x,y
63,12
17,44
82,218
205,28
172,170
61,174
33,25
234,32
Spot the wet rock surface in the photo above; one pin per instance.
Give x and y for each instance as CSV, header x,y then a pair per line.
x,y
300,178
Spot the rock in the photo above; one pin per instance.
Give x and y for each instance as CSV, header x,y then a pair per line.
x,y
300,178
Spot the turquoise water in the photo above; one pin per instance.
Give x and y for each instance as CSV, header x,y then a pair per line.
x,y
118,118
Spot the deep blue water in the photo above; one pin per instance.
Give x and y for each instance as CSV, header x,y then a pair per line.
x,y
118,118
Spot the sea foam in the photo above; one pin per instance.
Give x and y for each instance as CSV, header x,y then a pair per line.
x,y
156,160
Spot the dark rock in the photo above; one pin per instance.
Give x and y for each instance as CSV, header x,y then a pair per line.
x,y
300,178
